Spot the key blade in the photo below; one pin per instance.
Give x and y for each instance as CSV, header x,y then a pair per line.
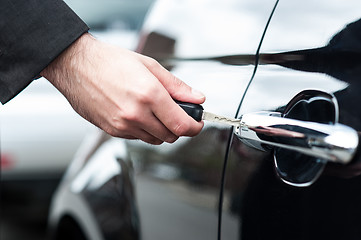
x,y
221,119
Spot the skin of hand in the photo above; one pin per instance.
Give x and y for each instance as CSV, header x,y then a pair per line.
x,y
126,94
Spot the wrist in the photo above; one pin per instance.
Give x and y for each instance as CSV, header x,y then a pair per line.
x,y
63,66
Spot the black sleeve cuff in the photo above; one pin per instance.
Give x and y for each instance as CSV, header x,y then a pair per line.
x,y
32,34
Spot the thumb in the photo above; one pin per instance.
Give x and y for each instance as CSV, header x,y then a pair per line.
x,y
181,91
176,88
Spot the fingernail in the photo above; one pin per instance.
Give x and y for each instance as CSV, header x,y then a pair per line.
x,y
197,93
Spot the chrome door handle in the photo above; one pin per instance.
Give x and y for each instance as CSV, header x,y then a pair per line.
x,y
332,142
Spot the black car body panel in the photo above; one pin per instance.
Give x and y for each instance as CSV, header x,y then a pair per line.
x,y
308,46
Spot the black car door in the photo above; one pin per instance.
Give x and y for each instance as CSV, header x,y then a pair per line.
x,y
308,70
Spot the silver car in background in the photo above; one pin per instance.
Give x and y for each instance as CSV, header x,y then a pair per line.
x,y
40,132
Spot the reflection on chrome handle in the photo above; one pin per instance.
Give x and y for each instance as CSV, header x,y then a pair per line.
x,y
336,142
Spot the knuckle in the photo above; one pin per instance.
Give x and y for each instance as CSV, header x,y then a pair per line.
x,y
153,140
178,87
152,63
181,129
147,95
178,82
131,115
121,123
118,127
113,132
157,142
171,139
187,129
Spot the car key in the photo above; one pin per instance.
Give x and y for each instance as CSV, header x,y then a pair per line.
x,y
197,113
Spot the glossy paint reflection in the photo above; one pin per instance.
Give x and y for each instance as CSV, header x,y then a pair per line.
x,y
329,209
107,183
339,59
179,186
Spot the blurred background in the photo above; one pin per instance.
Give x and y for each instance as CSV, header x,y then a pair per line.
x,y
40,132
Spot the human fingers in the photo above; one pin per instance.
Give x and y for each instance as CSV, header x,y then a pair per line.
x,y
175,119
175,87
140,116
143,120
156,128
143,136
164,107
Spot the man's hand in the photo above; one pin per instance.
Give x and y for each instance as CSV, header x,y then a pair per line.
x,y
126,94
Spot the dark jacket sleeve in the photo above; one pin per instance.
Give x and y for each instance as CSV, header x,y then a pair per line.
x,y
32,34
